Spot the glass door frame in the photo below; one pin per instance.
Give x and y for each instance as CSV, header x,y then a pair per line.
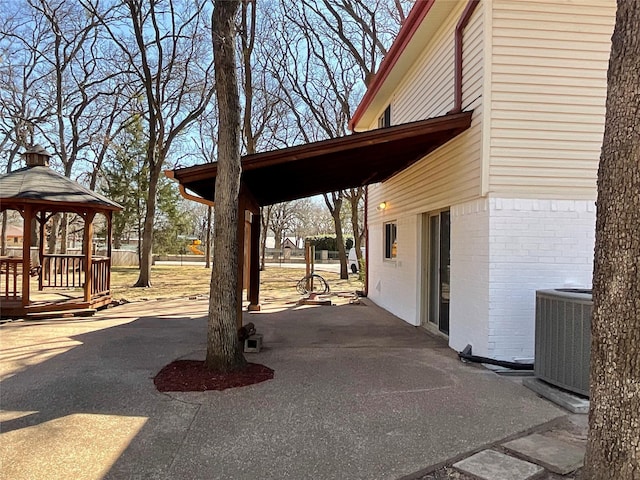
x,y
433,298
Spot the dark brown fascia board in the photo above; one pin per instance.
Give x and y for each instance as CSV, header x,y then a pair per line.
x,y
371,137
458,121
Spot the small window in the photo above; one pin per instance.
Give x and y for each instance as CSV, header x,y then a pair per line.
x,y
390,240
385,119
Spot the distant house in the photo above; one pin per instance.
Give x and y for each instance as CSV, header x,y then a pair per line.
x,y
14,236
288,242
459,241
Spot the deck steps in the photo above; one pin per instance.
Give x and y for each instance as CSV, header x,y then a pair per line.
x,y
78,312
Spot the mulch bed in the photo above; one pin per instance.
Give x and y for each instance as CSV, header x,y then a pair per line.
x,y
192,376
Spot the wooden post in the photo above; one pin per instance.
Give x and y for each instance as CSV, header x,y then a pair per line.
x,y
254,264
307,261
27,216
43,221
87,243
109,249
240,240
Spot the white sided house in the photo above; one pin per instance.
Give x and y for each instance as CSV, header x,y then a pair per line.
x,y
460,241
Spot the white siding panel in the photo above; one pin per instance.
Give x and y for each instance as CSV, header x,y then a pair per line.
x,y
451,174
548,79
427,90
473,61
448,176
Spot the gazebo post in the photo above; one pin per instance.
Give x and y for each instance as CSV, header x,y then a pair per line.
x,y
109,250
27,216
87,243
254,264
42,220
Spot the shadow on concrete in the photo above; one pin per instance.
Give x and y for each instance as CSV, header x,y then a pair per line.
x,y
357,393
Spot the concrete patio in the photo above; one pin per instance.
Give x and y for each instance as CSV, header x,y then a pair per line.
x,y
357,394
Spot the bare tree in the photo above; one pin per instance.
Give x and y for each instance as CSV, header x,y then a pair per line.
x,y
324,74
223,349
206,145
355,197
613,449
87,100
265,219
333,201
22,105
169,58
282,219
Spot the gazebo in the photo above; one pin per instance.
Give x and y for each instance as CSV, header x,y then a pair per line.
x,y
38,193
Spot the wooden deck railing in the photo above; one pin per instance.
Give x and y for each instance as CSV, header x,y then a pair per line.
x,y
100,276
58,271
62,271
10,268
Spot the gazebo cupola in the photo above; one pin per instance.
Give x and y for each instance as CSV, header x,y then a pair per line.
x,y
36,156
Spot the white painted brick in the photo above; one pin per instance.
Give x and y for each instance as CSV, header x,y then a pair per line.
x,y
547,246
499,257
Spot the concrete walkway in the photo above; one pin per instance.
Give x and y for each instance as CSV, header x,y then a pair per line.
x,y
357,394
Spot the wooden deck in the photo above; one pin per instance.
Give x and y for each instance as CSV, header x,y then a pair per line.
x,y
56,287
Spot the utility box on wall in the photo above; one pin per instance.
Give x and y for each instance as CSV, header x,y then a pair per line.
x,y
563,338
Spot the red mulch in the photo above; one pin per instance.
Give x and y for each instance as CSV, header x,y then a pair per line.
x,y
192,376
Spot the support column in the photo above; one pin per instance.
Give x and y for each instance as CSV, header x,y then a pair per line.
x,y
109,240
87,243
254,264
43,220
27,217
240,240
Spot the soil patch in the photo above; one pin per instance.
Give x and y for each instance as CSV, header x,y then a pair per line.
x,y
193,376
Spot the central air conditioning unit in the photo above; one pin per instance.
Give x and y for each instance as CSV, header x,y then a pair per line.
x,y
563,338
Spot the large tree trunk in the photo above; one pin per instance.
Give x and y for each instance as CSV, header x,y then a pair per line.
x,y
335,207
146,260
207,251
613,450
3,248
64,233
355,196
265,218
223,348
52,241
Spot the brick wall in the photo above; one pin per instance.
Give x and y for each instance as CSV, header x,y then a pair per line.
x,y
533,244
470,276
502,251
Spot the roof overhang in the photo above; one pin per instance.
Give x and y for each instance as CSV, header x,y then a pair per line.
x,y
424,19
330,165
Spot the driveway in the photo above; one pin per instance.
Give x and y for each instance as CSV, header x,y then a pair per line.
x,y
357,394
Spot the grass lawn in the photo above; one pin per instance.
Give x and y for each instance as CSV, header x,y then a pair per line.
x,y
175,281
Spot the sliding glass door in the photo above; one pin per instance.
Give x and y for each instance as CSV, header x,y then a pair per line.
x,y
436,269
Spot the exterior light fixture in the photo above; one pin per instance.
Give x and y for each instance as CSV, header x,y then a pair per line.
x,y
382,206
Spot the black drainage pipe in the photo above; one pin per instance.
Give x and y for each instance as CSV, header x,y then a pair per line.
x,y
466,355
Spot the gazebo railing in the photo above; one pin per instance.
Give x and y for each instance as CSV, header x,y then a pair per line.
x,y
62,271
100,283
10,268
58,271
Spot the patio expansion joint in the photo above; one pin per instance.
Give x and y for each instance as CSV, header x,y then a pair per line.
x,y
186,434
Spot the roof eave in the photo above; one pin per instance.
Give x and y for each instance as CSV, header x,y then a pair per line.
x,y
405,35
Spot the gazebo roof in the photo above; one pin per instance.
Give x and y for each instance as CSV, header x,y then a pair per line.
x,y
43,186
